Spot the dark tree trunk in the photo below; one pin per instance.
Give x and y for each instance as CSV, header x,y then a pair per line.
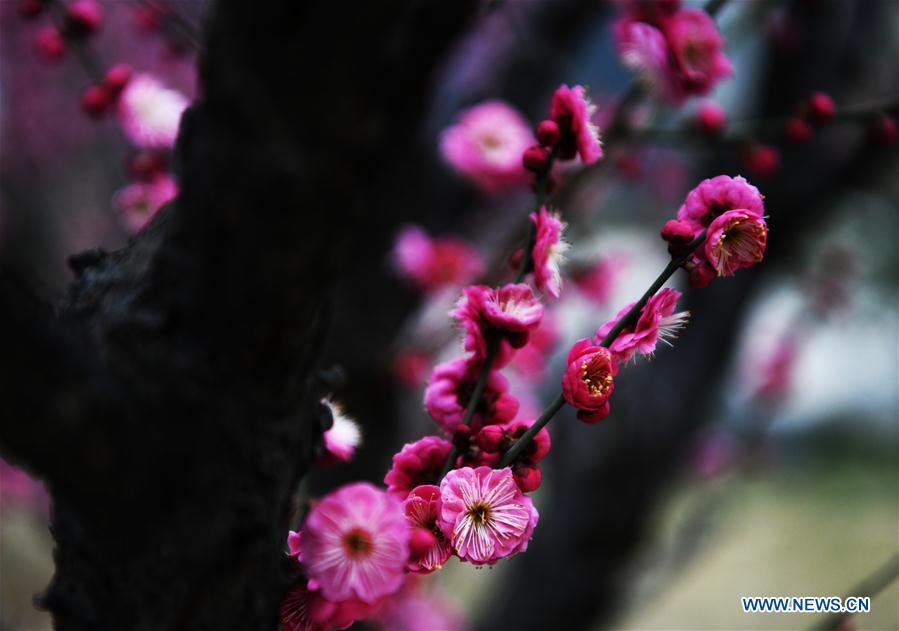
x,y
167,402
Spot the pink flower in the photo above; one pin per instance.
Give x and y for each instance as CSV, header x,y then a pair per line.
x,y
485,146
485,515
696,48
498,439
150,113
587,383
677,52
510,311
572,111
450,389
306,609
422,509
414,609
735,240
417,463
139,202
355,543
530,361
716,195
344,436
549,252
657,321
435,263
597,281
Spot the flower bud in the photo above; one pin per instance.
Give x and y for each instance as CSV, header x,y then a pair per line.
x,y
83,17
535,159
95,101
49,43
798,131
762,160
701,276
527,477
548,133
117,78
884,131
462,437
676,231
821,108
710,118
490,437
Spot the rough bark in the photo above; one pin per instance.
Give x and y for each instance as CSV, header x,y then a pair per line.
x,y
169,401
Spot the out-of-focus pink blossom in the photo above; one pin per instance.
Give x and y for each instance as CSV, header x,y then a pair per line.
x,y
595,282
549,252
657,321
411,367
573,112
139,202
422,509
416,464
713,454
19,489
710,118
450,388
150,112
49,43
435,263
485,146
777,370
355,544
530,361
798,130
678,53
821,108
414,608
588,381
485,515
344,436
304,608
761,160
736,240
83,17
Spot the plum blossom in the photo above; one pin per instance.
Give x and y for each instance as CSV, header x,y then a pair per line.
x,y
485,146
449,392
355,543
422,509
304,608
140,201
417,463
417,609
150,113
657,322
588,381
736,240
549,252
677,52
716,195
510,311
434,263
344,436
572,111
485,515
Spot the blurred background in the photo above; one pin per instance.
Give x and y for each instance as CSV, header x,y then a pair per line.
x,y
759,456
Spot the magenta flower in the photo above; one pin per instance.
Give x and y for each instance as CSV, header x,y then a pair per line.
x,y
696,47
422,509
549,252
597,281
717,195
417,463
306,609
344,436
355,544
572,111
150,113
435,263
416,608
676,52
485,146
736,240
449,391
139,202
485,515
510,311
657,321
588,381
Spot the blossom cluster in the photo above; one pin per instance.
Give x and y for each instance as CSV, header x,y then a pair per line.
x,y
464,491
677,52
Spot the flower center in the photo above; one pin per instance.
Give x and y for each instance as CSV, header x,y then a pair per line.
x,y
357,542
480,514
596,375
